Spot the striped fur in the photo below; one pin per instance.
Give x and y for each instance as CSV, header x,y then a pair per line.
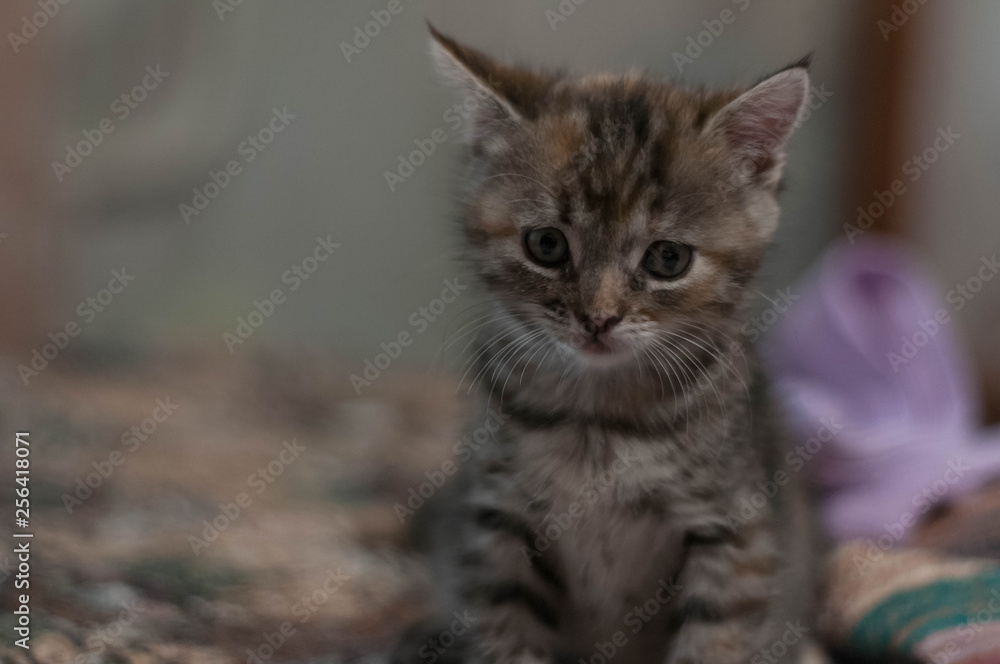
x,y
615,473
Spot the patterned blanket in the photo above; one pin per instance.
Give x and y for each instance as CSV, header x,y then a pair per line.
x,y
938,609
246,511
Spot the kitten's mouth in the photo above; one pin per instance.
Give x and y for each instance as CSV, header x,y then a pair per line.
x,y
593,346
600,352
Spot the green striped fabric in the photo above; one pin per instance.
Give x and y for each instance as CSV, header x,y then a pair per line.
x,y
906,618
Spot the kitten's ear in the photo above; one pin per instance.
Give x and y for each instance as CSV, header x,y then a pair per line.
x,y
758,123
493,94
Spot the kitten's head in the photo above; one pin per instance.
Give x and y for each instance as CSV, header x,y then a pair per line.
x,y
615,211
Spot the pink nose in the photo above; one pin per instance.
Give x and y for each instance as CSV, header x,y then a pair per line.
x,y
597,325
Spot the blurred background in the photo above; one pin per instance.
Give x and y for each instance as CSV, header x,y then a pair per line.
x,y
884,95
180,160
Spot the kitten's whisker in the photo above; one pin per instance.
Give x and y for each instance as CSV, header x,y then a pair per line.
x,y
523,200
638,365
522,175
512,357
513,347
663,393
678,398
496,309
735,348
503,389
661,350
723,362
486,347
695,384
569,366
547,343
531,166
439,356
474,339
700,366
509,354
713,331
475,326
714,352
711,382
552,344
488,322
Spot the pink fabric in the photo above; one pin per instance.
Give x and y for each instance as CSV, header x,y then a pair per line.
x,y
910,437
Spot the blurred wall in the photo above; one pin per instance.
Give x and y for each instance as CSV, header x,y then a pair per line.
x,y
323,174
953,210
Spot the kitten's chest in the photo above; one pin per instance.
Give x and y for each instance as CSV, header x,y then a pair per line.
x,y
609,514
615,559
596,471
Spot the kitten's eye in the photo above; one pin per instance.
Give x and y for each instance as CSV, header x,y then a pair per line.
x,y
547,246
667,260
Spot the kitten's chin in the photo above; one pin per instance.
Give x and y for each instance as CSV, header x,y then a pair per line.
x,y
602,356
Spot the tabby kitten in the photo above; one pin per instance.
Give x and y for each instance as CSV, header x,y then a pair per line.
x,y
616,223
